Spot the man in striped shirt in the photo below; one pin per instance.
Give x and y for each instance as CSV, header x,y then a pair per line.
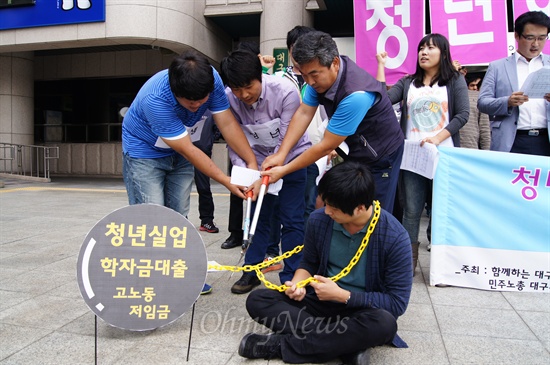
x,y
158,153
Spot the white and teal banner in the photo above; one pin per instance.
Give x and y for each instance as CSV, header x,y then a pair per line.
x,y
491,221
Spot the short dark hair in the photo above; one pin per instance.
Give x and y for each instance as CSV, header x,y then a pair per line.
x,y
315,45
191,76
240,68
533,17
446,69
473,76
346,186
295,33
249,46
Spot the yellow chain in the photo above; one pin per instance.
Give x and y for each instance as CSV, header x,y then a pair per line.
x,y
257,268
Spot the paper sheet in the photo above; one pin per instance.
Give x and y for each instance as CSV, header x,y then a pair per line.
x,y
537,84
245,177
421,160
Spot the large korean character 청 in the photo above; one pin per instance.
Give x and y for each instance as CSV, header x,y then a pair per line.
x,y
117,230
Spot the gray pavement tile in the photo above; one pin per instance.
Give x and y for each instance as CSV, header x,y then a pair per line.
x,y
470,349
496,323
60,348
11,298
539,323
44,311
463,297
66,265
85,325
25,245
424,349
36,258
35,282
16,338
418,317
6,272
69,290
419,293
537,302
176,353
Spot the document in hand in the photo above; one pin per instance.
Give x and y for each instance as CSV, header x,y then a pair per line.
x,y
245,177
537,84
420,160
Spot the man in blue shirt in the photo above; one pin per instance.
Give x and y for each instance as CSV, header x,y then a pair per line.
x,y
359,257
158,153
263,106
362,125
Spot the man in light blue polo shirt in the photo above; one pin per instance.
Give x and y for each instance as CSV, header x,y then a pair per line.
x,y
158,153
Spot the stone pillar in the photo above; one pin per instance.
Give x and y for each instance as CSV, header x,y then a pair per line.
x,y
17,98
278,17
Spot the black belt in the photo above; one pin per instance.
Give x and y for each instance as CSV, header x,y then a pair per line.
x,y
532,132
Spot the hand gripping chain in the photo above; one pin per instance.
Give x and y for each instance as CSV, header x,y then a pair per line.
x,y
257,268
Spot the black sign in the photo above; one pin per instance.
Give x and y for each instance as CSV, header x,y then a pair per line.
x,y
141,267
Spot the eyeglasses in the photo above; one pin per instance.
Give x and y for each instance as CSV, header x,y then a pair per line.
x,y
532,38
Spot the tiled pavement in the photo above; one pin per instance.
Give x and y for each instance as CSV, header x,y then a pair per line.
x,y
44,320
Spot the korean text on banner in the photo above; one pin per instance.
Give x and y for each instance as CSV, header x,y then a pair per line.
x,y
476,30
490,221
392,26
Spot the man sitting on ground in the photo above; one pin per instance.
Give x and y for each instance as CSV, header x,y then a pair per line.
x,y
343,318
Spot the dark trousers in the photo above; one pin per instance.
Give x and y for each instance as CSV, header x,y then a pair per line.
x,y
531,145
318,331
386,175
206,202
235,225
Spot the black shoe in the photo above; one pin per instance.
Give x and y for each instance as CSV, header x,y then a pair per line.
x,y
255,346
232,241
245,284
359,358
209,227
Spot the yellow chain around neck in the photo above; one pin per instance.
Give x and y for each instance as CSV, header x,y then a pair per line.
x,y
258,268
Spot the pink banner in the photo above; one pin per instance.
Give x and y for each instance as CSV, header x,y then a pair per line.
x,y
392,26
523,6
476,30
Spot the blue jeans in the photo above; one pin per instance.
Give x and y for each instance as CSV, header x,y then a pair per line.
x,y
291,213
164,181
415,190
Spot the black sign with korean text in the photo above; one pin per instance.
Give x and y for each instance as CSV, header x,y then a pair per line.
x,y
141,267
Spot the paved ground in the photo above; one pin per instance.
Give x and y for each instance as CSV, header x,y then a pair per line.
x,y
44,320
